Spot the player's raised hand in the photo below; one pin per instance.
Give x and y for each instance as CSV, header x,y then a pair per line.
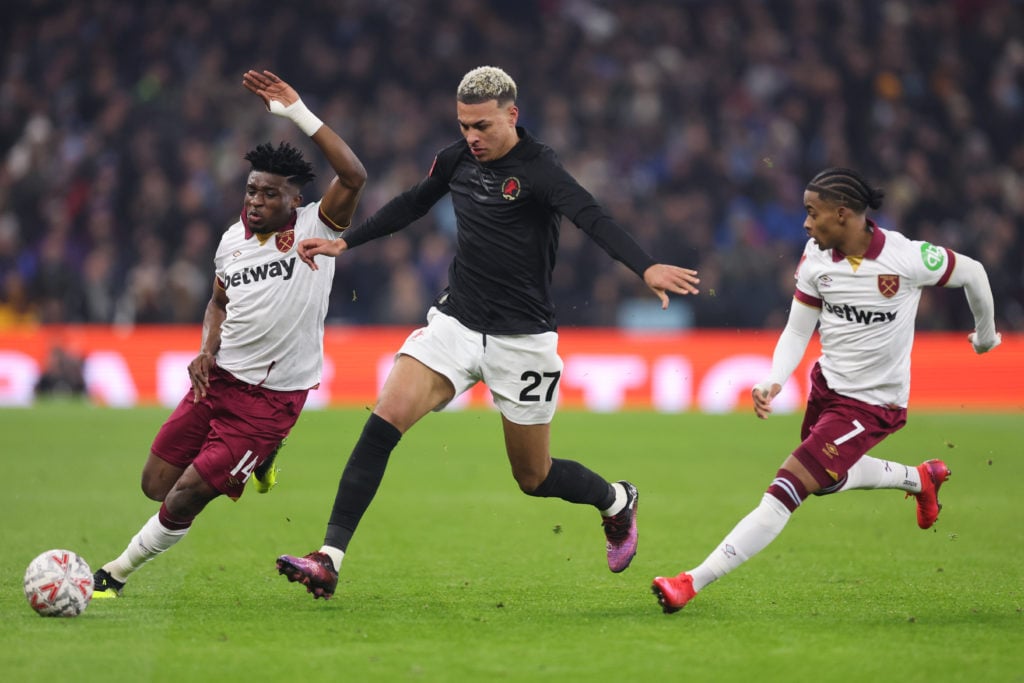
x,y
282,100
662,278
270,87
763,394
314,246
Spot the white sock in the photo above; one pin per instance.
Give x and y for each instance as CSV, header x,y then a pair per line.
x,y
620,500
872,473
749,537
336,555
153,538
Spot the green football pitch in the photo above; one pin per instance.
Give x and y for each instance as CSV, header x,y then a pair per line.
x,y
457,576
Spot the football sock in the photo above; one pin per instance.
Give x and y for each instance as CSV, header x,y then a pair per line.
x,y
873,473
336,555
749,537
153,538
360,480
572,482
788,489
620,501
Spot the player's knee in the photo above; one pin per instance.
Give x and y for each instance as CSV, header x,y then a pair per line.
x,y
529,482
153,488
833,488
186,500
158,476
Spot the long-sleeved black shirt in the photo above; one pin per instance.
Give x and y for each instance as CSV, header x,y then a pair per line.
x,y
508,212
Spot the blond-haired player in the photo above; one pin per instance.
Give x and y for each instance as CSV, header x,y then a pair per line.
x,y
494,323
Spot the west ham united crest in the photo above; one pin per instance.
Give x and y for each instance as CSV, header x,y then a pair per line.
x,y
888,285
510,188
285,240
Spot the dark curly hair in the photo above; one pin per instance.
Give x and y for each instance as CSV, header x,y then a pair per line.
x,y
285,161
847,187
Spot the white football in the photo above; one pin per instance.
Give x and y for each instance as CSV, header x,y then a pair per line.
x,y
58,583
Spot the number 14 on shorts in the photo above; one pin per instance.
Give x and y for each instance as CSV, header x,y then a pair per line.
x,y
245,466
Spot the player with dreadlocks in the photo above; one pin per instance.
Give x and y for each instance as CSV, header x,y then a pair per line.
x,y
262,344
861,285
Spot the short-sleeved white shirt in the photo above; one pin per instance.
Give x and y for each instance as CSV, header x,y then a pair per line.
x,y
274,330
868,306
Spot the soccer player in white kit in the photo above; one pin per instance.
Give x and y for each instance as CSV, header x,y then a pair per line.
x,y
860,284
262,345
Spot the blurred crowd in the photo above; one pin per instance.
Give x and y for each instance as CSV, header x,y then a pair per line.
x,y
696,122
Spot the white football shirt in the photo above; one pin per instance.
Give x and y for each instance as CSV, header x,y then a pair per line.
x,y
273,335
868,306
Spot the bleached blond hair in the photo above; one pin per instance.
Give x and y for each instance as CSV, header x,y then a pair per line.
x,y
486,83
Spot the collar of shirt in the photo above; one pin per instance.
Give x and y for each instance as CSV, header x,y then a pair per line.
x,y
874,249
288,226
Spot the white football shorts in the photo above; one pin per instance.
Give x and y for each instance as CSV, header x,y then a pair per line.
x,y
521,370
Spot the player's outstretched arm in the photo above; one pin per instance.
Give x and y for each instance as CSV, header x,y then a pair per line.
x,y
662,278
342,196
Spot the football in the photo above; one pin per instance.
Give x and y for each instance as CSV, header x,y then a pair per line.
x,y
58,583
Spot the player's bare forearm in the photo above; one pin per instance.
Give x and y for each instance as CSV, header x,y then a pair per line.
x,y
349,169
342,196
211,332
213,319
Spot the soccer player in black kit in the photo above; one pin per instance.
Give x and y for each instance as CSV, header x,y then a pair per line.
x,y
494,323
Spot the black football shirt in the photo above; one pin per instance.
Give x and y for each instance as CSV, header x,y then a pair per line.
x,y
508,213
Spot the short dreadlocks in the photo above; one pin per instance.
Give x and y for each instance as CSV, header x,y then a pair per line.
x,y
284,161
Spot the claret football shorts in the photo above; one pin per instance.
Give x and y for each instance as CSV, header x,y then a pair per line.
x,y
230,432
837,430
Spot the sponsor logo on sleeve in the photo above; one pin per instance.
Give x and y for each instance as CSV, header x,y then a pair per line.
x,y
932,256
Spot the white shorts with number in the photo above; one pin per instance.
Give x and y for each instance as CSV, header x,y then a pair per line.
x,y
521,370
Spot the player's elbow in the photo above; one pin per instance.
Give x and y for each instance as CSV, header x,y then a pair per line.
x,y
354,177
